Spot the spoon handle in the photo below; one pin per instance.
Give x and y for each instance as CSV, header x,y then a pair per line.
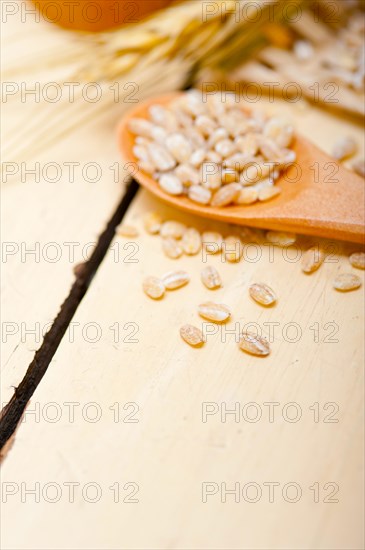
x,y
328,200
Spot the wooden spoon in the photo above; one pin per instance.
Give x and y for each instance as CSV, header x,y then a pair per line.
x,y
319,196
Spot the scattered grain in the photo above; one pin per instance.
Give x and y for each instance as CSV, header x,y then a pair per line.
x,y
254,344
172,248
175,279
346,282
232,249
217,313
154,287
128,231
262,294
172,229
279,238
312,259
192,335
212,242
152,222
357,259
191,242
211,278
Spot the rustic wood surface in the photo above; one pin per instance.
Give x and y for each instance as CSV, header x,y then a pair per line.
x,y
123,361
48,226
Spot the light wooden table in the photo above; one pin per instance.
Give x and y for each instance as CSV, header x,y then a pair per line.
x,y
130,417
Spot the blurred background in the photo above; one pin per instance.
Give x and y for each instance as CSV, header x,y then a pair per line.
x,y
311,48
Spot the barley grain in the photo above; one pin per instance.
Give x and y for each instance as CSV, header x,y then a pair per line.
x,y
141,153
172,248
213,156
357,259
346,282
217,313
270,149
211,278
192,335
248,195
191,242
218,135
268,193
262,294
288,157
154,287
359,167
175,279
141,127
232,249
179,147
199,194
160,157
187,174
171,184
197,158
159,135
345,147
279,131
210,176
163,117
128,231
312,259
263,184
226,195
248,144
253,173
172,229
225,148
152,222
254,344
146,167
279,238
205,124
238,161
229,175
212,242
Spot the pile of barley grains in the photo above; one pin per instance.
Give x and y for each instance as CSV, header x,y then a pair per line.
x,y
213,149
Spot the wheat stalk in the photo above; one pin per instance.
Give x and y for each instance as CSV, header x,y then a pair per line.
x,y
175,42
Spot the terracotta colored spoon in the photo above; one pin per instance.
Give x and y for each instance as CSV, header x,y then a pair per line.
x,y
332,207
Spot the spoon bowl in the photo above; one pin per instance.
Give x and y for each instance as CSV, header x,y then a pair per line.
x,y
326,201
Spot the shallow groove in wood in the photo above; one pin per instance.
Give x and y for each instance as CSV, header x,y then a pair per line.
x,y
12,413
